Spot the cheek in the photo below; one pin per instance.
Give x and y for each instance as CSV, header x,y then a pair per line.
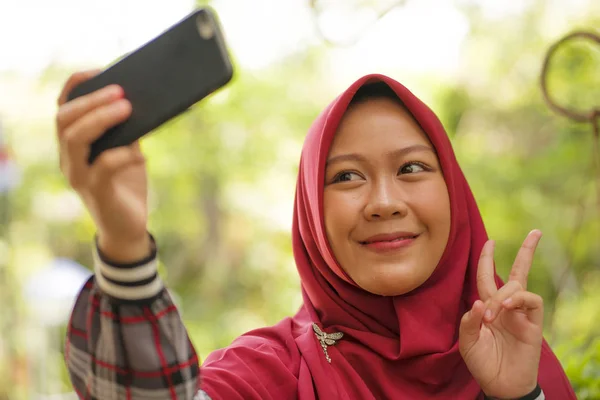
x,y
430,203
339,213
436,211
330,217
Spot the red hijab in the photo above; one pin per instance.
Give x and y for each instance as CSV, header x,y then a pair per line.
x,y
402,347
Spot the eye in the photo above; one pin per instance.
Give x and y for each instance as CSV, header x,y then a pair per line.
x,y
346,176
413,167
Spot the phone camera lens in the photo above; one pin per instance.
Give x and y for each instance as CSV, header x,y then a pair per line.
x,y
205,25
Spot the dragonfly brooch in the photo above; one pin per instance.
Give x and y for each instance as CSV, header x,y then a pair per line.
x,y
326,339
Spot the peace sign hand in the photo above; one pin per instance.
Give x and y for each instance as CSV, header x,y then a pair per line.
x,y
503,352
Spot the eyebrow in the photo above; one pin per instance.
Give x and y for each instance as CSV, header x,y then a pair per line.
x,y
393,154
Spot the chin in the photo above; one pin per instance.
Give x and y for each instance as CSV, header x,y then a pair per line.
x,y
392,281
384,288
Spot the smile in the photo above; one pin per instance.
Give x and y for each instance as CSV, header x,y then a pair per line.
x,y
391,244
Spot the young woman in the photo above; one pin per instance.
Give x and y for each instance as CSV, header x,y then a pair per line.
x,y
401,298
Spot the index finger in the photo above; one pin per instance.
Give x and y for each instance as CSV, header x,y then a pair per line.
x,y
486,284
74,80
524,259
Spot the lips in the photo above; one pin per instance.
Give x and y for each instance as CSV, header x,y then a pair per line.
x,y
390,243
390,237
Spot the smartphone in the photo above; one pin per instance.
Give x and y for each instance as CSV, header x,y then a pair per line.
x,y
164,77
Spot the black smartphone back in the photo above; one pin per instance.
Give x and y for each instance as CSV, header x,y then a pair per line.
x,y
164,77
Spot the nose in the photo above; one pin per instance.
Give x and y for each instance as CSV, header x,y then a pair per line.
x,y
385,201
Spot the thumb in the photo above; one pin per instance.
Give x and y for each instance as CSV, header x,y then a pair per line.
x,y
136,149
470,326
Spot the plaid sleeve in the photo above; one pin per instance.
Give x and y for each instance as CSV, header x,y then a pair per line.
x,y
126,340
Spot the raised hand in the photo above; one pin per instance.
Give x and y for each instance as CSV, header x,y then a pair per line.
x,y
500,338
114,187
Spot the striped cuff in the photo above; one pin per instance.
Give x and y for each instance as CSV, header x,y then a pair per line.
x,y
536,394
131,282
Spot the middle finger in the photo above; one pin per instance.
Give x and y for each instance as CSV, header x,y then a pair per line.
x,y
524,259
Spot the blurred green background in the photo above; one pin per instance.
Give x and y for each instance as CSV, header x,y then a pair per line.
x,y
223,176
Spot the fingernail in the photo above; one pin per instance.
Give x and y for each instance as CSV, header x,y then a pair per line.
x,y
115,91
488,314
507,301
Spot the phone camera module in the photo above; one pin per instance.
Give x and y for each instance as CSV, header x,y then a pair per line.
x,y
205,26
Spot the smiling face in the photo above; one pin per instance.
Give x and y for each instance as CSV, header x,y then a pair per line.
x,y
386,204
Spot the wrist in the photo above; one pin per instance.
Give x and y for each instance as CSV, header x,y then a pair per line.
x,y
129,274
534,394
124,252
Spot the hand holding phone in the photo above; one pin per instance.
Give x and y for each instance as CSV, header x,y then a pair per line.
x,y
101,116
164,77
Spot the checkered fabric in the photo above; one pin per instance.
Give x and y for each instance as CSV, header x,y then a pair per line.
x,y
126,340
